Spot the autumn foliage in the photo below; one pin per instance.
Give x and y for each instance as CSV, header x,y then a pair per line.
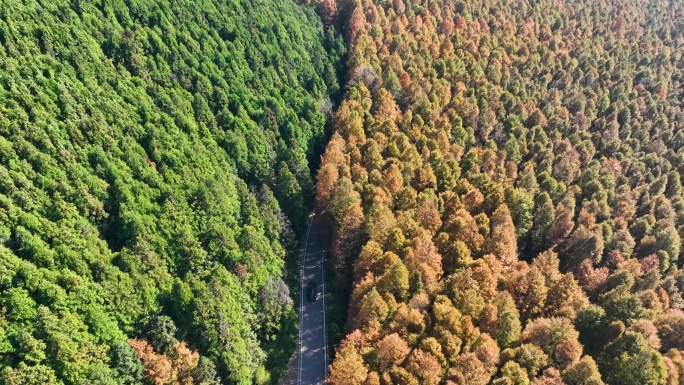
x,y
504,182
160,369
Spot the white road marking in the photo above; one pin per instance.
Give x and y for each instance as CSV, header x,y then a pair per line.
x,y
301,300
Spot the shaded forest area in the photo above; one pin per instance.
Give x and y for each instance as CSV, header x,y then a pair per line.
x,y
154,175
504,181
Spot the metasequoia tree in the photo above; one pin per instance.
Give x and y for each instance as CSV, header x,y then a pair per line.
x,y
503,242
348,367
392,350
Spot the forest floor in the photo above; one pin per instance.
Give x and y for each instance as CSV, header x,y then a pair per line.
x,y
290,375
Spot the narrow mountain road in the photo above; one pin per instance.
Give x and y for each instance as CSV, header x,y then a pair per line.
x,y
313,357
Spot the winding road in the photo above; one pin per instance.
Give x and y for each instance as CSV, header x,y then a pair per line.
x,y
313,357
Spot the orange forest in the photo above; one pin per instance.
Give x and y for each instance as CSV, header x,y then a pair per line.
x,y
503,184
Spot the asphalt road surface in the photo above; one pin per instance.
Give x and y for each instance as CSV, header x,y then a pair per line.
x,y
313,358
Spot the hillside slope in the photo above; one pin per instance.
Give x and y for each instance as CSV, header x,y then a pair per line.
x,y
146,150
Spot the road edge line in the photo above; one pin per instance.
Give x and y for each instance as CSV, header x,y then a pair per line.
x,y
301,301
325,325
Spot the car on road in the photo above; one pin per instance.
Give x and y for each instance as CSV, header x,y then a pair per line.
x,y
311,291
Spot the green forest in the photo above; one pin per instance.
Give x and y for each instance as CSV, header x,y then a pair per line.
x,y
155,173
500,182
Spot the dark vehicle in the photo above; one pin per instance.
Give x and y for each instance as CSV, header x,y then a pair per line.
x,y
311,291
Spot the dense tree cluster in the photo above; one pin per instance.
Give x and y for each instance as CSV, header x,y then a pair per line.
x,y
504,181
146,151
